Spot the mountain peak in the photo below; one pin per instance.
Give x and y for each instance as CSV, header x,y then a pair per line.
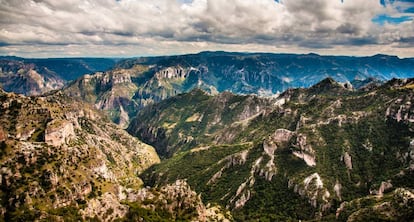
x,y
327,82
328,85
384,56
400,83
313,54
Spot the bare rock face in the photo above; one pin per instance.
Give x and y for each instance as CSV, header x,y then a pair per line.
x,y
110,91
348,160
306,152
105,208
270,168
402,109
337,189
175,199
313,188
282,135
3,135
59,132
309,160
384,186
173,73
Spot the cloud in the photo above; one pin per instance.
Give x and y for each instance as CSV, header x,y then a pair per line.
x,y
143,27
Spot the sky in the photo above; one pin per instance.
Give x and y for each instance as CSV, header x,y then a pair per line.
x,y
127,28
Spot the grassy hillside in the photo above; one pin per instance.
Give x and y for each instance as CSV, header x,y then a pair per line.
x,y
302,155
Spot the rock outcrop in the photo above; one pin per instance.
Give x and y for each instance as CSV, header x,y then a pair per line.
x,y
60,154
105,208
179,201
3,135
396,205
59,132
347,160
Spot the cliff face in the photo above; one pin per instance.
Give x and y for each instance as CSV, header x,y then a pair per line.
x,y
188,120
27,78
153,79
59,156
111,91
311,149
59,132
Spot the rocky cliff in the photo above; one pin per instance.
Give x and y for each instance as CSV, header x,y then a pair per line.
x,y
189,120
154,79
27,78
112,91
61,157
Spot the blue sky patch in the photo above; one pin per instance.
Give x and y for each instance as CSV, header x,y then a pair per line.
x,y
383,18
409,10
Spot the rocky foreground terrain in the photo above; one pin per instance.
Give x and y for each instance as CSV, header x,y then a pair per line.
x,y
62,160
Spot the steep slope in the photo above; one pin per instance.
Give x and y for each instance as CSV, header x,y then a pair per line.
x,y
315,150
59,156
158,78
62,160
188,120
112,91
38,76
27,78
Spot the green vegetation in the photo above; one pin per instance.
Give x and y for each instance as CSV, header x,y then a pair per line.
x,y
393,206
223,147
139,212
188,120
274,201
197,167
355,146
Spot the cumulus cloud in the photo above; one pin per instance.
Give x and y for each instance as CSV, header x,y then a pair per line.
x,y
148,27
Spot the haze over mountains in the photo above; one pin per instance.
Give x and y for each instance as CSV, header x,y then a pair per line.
x,y
135,83
215,136
36,76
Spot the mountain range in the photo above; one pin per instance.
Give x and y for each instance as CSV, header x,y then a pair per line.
x,y
213,136
37,76
135,83
326,152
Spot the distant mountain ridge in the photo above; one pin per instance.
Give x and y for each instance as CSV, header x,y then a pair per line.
x,y
153,79
68,68
136,82
28,78
38,76
288,68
